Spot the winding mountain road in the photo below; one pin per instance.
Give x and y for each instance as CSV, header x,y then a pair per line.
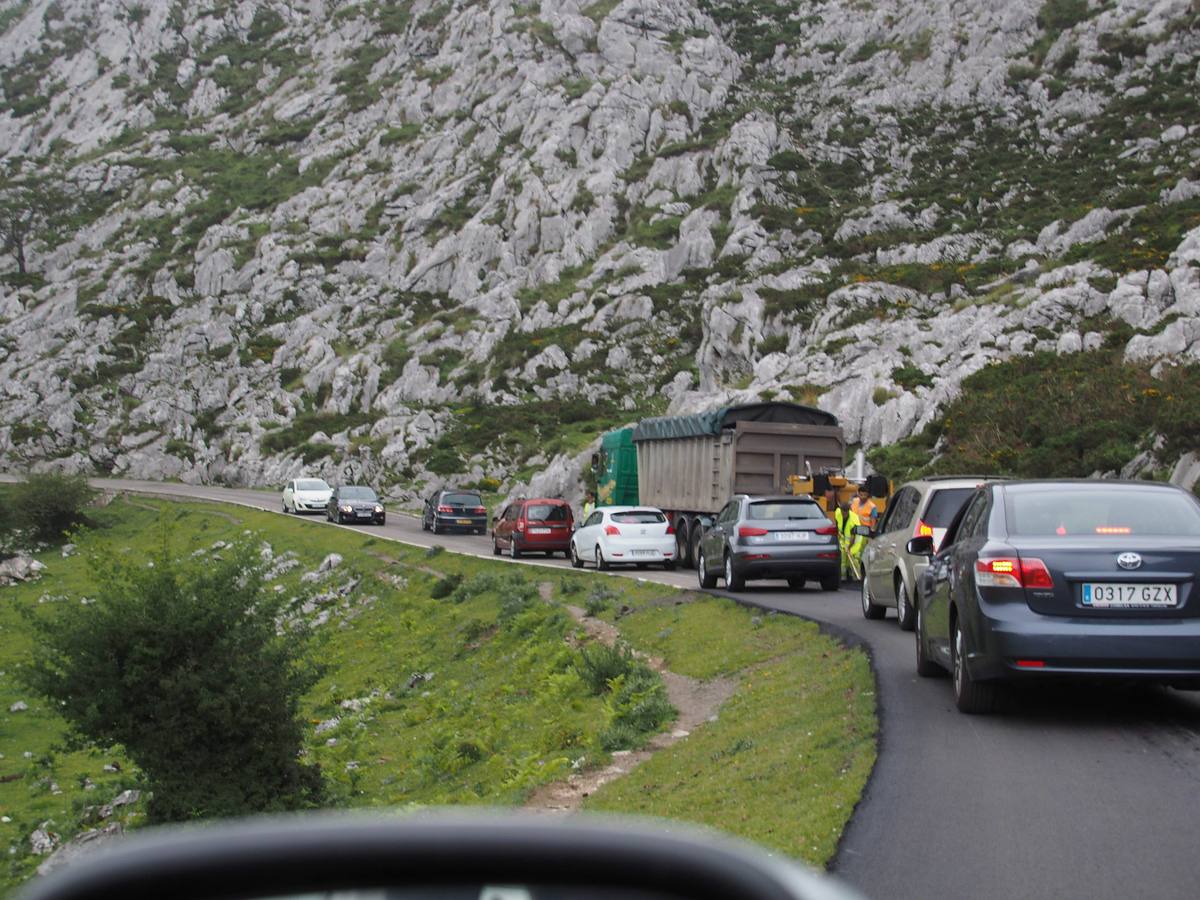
x,y
1071,792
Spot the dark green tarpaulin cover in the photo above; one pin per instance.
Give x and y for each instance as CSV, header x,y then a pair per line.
x,y
662,428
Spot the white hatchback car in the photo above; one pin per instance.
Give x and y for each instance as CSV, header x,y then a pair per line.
x,y
638,535
306,495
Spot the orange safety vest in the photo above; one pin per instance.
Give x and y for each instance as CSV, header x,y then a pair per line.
x,y
866,512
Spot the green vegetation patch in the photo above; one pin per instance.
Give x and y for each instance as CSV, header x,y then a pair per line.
x,y
788,756
1046,416
450,679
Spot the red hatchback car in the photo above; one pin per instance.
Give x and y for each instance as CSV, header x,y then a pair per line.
x,y
533,526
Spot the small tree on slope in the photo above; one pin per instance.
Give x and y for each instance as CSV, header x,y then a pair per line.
x,y
184,665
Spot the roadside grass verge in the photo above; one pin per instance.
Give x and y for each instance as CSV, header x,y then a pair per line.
x,y
789,754
474,697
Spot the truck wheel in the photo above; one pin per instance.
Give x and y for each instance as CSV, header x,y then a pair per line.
x,y
683,546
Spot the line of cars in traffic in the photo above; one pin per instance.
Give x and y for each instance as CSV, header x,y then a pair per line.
x,y
1021,581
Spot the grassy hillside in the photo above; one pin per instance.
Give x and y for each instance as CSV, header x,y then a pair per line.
x,y
454,680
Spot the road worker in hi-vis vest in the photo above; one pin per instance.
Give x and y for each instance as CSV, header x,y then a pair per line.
x,y
864,507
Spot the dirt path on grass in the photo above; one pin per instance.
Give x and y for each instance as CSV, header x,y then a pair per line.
x,y
697,702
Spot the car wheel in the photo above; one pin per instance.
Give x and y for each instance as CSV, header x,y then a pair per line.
x,y
734,580
870,610
573,555
926,667
513,552
970,696
905,615
831,582
437,529
796,584
495,546
601,563
708,582
383,520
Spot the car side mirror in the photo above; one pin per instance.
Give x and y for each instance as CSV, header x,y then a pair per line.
x,y
920,546
864,531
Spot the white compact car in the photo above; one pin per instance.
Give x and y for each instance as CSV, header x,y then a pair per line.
x,y
636,535
304,495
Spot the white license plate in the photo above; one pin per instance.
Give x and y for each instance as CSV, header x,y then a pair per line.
x,y
645,552
539,530
464,521
1102,595
791,535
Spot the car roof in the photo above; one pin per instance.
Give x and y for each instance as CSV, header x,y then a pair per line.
x,y
1123,483
620,509
558,500
947,481
757,498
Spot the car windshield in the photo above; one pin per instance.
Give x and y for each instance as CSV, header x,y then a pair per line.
x,y
357,493
311,484
546,512
462,499
785,509
944,506
638,517
1104,510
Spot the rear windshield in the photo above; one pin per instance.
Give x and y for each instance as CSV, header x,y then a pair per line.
x,y
785,509
462,499
1100,510
546,512
638,517
357,493
944,506
311,484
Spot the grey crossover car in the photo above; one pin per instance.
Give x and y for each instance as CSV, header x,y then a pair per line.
x,y
890,572
1052,579
769,537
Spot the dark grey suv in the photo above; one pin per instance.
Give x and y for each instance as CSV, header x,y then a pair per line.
x,y
354,503
769,537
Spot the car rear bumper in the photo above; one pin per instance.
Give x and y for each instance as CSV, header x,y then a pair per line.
x,y
449,521
655,551
547,543
787,562
1028,645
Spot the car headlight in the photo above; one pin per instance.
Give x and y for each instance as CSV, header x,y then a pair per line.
x,y
378,508
347,508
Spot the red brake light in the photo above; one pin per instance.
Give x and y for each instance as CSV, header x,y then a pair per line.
x,y
612,530
520,526
1013,572
1031,663
670,528
749,531
481,510
1035,575
445,509
827,529
1113,529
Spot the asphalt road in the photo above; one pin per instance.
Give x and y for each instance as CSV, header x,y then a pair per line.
x,y
1073,792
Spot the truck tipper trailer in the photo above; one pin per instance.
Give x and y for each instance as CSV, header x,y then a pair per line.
x,y
689,466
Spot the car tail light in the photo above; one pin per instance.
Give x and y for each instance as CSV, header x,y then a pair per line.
x,y
1031,663
1014,572
1113,529
520,526
827,529
445,509
612,530
750,531
923,529
670,529
480,510
827,556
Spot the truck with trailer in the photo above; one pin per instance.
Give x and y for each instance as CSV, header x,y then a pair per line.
x,y
689,466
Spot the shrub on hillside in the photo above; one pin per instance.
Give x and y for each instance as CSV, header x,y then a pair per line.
x,y
1048,416
183,664
48,505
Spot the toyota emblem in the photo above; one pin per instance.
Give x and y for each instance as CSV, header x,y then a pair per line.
x,y
1129,561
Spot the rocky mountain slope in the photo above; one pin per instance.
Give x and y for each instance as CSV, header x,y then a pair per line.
x,y
413,239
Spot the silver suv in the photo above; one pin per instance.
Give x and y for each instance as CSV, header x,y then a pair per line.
x,y
925,507
769,537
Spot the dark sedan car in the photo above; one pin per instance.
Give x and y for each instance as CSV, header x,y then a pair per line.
x,y
354,503
769,537
1082,579
454,511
